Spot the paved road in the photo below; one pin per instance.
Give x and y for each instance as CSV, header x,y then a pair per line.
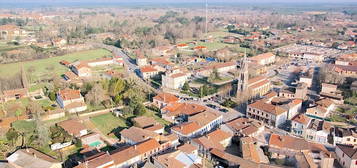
x,y
130,67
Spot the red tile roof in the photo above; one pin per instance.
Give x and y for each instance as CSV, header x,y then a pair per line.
x,y
166,97
69,94
147,68
272,109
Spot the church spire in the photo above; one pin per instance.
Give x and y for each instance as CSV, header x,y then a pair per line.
x,y
243,76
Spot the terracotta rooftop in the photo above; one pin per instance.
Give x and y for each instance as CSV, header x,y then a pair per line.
x,y
148,68
184,108
144,121
325,102
187,128
204,118
218,135
187,148
166,97
292,143
69,94
72,126
301,118
97,161
269,108
137,134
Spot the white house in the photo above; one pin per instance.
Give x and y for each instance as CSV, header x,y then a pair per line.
x,y
148,71
346,155
267,113
198,125
299,123
318,131
174,80
71,100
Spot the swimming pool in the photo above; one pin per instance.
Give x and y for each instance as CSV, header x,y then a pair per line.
x,y
95,144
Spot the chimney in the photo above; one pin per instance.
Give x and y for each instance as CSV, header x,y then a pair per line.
x,y
135,147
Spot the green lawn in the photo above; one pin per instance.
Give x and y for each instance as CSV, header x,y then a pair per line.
x,y
107,123
44,67
24,126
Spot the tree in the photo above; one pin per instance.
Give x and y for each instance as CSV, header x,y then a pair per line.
x,y
42,132
96,95
18,113
214,75
140,109
12,135
52,95
186,86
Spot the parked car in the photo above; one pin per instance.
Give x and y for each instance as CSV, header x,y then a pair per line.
x,y
212,106
223,110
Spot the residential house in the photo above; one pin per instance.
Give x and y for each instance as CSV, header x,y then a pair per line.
x,y
345,136
135,135
174,79
288,147
11,32
163,99
178,112
243,127
299,124
141,61
307,80
263,59
330,91
162,50
31,158
298,92
81,69
251,151
200,48
148,71
71,100
269,114
74,127
99,160
293,106
318,131
346,155
179,158
198,125
221,67
346,71
181,46
148,123
138,153
321,108
14,94
217,139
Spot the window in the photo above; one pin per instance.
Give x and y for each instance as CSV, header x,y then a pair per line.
x,y
348,139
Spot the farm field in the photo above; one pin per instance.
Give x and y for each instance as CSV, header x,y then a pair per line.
x,y
45,67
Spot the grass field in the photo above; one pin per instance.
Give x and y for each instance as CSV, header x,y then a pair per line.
x,y
106,123
45,67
